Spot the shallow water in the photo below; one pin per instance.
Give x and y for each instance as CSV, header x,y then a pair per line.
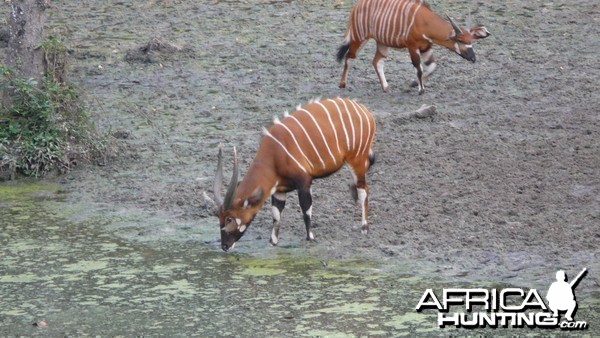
x,y
84,277
500,188
83,273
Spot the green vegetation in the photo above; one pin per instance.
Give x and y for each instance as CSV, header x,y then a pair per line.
x,y
45,128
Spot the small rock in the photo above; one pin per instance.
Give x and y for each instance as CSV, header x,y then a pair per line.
x,y
425,111
41,323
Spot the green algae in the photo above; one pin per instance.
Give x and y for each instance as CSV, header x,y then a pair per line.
x,y
84,266
20,278
353,308
408,320
85,276
25,190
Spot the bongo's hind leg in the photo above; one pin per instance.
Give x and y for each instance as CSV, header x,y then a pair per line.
x,y
378,59
360,192
353,48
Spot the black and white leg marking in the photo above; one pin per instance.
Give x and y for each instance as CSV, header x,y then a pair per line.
x,y
428,62
415,57
363,200
305,198
277,205
428,66
360,195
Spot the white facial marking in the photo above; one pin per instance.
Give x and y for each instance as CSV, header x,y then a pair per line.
x,y
456,49
245,203
238,221
232,246
242,228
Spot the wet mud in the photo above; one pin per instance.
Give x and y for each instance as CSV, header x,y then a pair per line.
x,y
500,186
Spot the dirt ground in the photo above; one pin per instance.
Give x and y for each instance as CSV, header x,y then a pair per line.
x,y
502,183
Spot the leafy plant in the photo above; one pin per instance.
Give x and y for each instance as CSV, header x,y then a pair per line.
x,y
45,127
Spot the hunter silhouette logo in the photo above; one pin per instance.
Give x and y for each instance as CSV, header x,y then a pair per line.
x,y
508,307
561,296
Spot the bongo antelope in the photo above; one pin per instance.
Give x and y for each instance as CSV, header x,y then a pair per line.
x,y
314,141
407,24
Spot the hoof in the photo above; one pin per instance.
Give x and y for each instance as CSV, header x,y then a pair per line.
x,y
414,84
310,237
364,230
342,84
421,91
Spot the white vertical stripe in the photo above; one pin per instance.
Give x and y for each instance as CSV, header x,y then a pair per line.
x,y
295,141
351,123
343,123
406,13
370,134
337,141
365,20
371,16
309,139
321,132
361,135
402,23
358,20
382,21
376,15
394,23
388,22
412,21
266,133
